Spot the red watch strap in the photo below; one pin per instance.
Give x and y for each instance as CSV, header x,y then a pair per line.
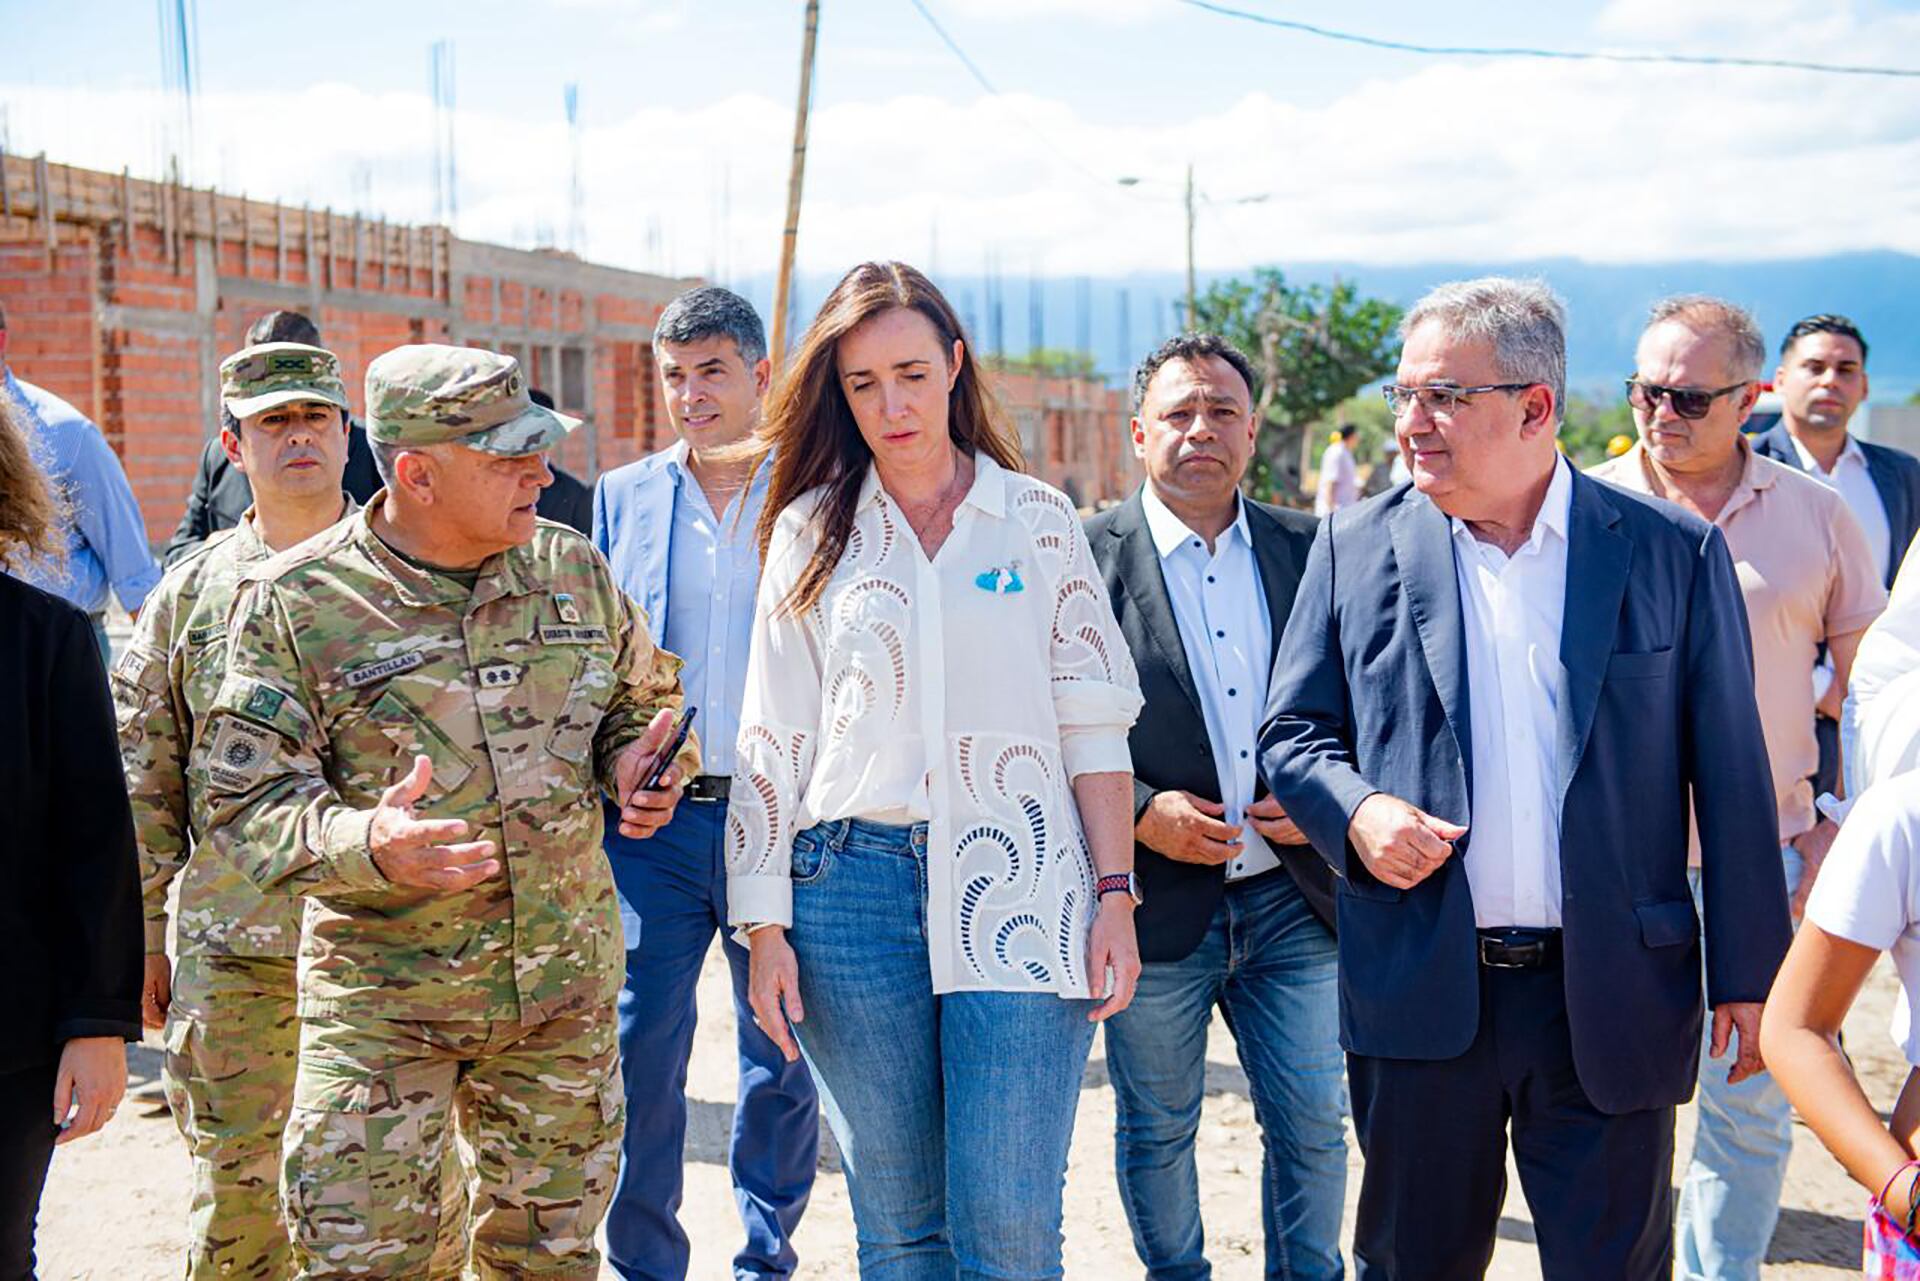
x,y
1113,883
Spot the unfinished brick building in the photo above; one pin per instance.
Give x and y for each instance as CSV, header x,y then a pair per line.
x,y
1074,432
123,295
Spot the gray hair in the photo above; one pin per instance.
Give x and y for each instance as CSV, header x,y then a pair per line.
x,y
709,312
1524,320
386,455
1704,313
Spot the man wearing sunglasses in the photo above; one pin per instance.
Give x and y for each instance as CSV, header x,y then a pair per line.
x,y
1808,578
1495,695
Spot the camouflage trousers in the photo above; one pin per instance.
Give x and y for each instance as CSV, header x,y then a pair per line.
x,y
232,1041
537,1110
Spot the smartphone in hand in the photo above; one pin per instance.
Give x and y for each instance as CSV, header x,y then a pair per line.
x,y
675,742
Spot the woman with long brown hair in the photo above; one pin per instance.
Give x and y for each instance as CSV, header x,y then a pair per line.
x,y
70,936
930,831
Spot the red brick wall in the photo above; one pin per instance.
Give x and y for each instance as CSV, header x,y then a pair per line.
x,y
50,316
117,330
1075,434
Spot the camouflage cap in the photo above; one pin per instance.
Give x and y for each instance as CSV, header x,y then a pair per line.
x,y
428,393
258,378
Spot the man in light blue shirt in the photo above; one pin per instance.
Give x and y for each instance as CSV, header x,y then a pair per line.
x,y
679,528
107,546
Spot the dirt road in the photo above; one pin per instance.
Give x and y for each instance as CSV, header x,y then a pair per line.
x,y
115,1205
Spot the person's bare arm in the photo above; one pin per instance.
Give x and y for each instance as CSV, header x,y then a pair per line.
x,y
1105,802
1840,652
1799,1038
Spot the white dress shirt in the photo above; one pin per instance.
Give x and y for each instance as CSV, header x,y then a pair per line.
x,y
1855,484
1512,608
964,692
1228,638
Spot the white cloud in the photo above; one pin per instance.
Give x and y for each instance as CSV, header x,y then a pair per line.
x,y
1450,160
1107,11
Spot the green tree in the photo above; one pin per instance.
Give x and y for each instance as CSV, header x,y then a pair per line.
x,y
1588,424
1313,346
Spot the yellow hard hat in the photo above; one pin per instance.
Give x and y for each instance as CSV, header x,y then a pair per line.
x,y
1619,445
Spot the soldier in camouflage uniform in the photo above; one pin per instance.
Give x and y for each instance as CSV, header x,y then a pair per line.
x,y
444,652
228,1008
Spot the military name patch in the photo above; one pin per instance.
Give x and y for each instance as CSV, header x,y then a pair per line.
x,y
363,676
500,675
566,634
198,636
240,754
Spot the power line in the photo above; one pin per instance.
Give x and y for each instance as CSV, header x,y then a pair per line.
x,y
1561,55
1106,182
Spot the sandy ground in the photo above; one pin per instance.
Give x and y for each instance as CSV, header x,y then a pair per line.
x,y
115,1204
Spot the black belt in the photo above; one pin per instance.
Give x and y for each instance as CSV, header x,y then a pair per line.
x,y
1513,948
709,787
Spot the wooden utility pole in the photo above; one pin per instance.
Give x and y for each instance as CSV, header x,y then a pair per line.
x,y
783,285
1191,322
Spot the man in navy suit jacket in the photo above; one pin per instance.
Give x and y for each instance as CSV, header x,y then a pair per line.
x,y
1498,690
1822,380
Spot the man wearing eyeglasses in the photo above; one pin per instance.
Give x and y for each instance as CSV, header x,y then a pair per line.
x,y
1808,578
1497,690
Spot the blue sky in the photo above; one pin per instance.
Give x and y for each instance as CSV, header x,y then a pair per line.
x,y
1360,155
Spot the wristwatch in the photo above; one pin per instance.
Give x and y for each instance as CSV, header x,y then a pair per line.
x,y
1119,883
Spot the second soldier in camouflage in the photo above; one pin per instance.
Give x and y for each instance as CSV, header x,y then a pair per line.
x,y
420,711
228,1006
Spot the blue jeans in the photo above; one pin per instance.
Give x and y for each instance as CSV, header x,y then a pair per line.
x,y
1270,966
954,1113
675,882
1730,1197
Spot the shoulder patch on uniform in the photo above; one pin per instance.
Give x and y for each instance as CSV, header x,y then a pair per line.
x,y
252,699
367,674
142,666
265,702
240,754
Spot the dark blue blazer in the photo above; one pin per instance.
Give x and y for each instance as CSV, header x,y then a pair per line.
x,y
1369,694
1895,473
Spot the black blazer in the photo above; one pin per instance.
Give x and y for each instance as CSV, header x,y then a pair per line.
x,y
1169,740
222,493
1895,473
567,500
70,933
1369,694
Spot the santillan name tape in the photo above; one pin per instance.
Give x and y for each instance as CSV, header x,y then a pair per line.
x,y
384,668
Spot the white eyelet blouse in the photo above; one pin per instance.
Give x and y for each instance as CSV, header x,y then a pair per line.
x,y
965,692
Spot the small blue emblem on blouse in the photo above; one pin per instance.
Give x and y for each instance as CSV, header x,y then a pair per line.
x,y
1001,580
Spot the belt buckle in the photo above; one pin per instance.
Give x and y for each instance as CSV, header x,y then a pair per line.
x,y
1499,954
